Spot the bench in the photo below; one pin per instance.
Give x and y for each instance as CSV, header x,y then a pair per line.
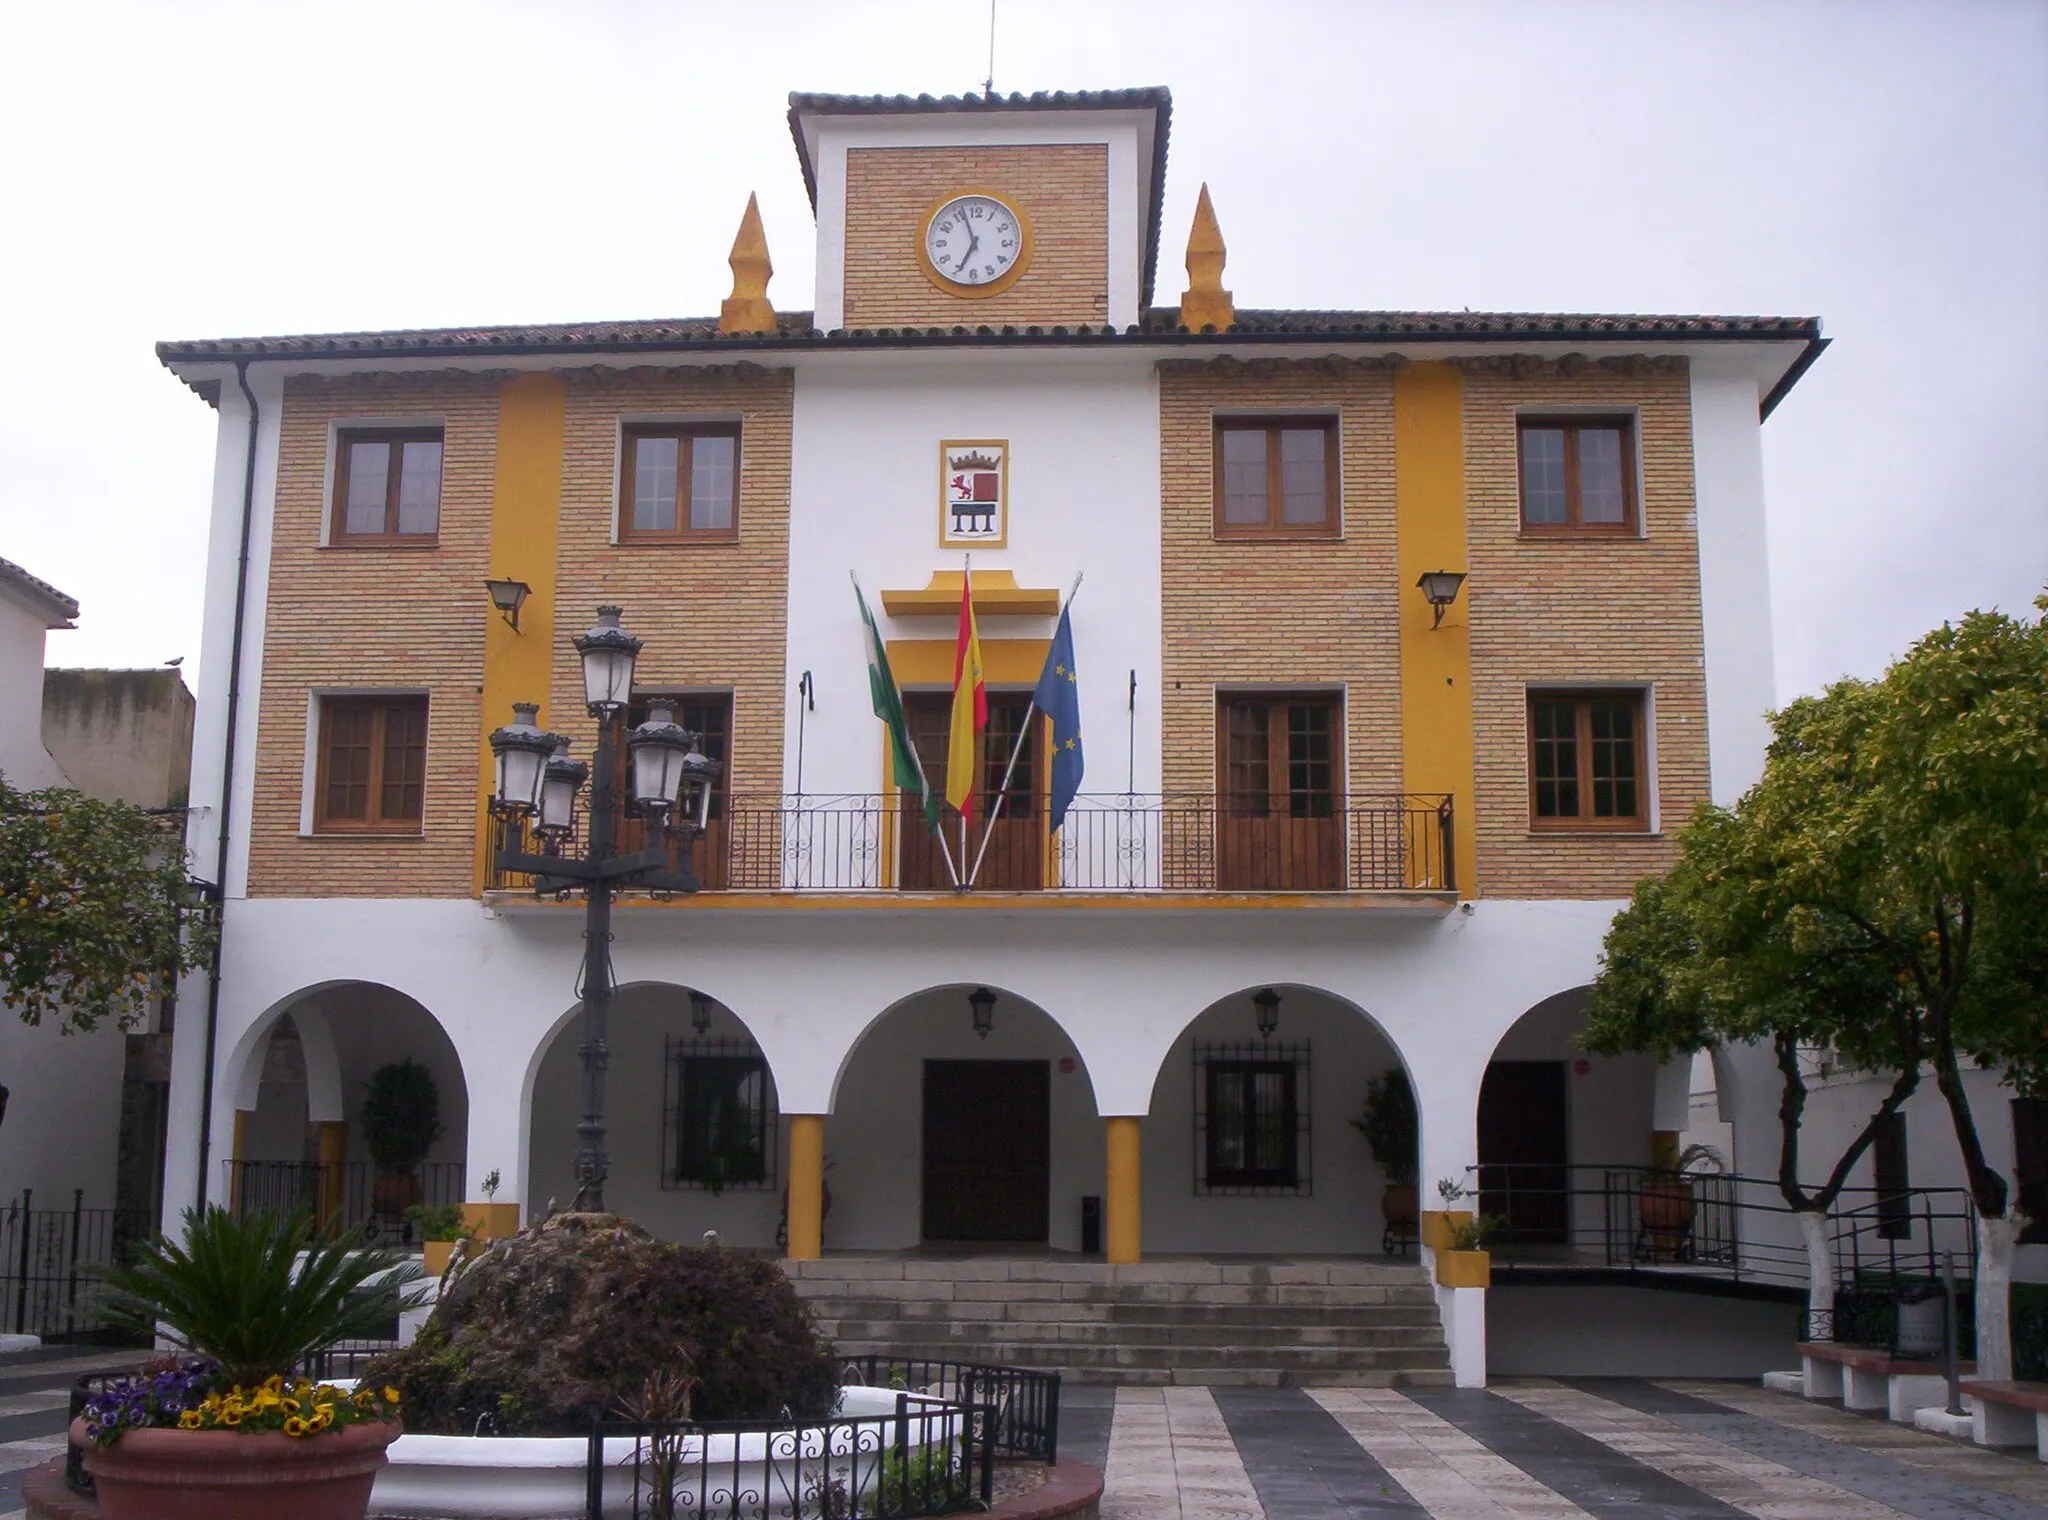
x,y
2009,1414
1868,1377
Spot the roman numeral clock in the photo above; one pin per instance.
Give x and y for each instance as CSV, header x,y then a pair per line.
x,y
974,243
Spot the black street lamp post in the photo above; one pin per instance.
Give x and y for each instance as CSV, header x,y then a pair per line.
x,y
669,780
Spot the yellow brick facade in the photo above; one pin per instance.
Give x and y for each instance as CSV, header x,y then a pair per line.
x,y
1063,189
1619,611
343,619
713,615
1308,613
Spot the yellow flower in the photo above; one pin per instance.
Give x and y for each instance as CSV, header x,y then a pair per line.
x,y
274,1383
295,1426
291,1406
212,1404
191,1419
360,1398
324,1417
390,1394
231,1418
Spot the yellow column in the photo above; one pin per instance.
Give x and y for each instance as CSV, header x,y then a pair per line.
x,y
806,1187
525,506
1436,661
333,1142
1120,1206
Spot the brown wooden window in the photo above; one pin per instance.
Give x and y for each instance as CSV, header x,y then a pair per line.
x,y
387,486
708,715
1578,474
1253,1127
372,770
1586,760
681,482
1280,762
1276,477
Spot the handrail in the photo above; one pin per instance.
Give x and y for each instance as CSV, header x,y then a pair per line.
x,y
1107,842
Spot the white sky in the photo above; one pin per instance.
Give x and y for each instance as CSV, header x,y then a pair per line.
x,y
216,170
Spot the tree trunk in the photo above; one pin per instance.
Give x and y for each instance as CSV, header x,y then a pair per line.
x,y
1820,1274
1995,1238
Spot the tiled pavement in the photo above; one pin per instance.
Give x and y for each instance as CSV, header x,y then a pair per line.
x,y
1564,1449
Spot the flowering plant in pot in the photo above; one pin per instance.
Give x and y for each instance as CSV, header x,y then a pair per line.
x,y
232,1429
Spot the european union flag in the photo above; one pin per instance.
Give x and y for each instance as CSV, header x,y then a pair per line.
x,y
1059,698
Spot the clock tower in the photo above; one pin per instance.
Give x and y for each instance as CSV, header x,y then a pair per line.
x,y
972,211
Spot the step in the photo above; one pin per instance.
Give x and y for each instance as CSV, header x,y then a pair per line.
x,y
843,1331
1335,1273
1075,1312
1304,1296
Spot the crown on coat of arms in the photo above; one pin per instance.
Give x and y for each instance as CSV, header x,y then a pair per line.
x,y
975,461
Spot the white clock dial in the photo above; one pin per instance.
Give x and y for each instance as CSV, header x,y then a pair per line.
x,y
974,239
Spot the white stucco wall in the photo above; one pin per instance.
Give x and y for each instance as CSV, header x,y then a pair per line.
x,y
23,760
1083,432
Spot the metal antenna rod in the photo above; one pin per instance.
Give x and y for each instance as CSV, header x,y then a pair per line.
x,y
988,85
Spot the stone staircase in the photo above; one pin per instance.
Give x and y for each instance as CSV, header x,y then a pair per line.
x,y
1332,1322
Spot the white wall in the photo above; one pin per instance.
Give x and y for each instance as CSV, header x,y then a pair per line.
x,y
23,760
1083,432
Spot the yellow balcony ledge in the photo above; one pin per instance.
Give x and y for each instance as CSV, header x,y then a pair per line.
x,y
996,594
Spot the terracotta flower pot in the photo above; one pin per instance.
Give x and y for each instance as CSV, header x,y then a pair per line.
x,y
1398,1203
1667,1205
395,1192
225,1475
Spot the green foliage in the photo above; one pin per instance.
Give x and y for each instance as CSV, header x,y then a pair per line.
x,y
1473,1234
1388,1124
401,1116
258,1292
584,1309
924,1480
1882,890
436,1221
1694,1161
97,920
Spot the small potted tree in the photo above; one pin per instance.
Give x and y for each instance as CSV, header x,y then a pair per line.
x,y
233,1430
1388,1124
1438,1223
490,1220
401,1122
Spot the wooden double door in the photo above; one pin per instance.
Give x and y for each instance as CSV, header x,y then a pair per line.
x,y
1279,808
1014,857
1525,1150
987,1151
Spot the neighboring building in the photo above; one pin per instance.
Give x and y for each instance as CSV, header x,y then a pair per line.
x,y
1413,824
85,1114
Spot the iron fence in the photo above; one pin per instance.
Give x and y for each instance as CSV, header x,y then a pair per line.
x,y
1106,843
1026,1401
344,1195
932,1456
48,1283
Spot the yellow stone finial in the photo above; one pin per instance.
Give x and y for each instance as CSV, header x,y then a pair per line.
x,y
1206,303
747,310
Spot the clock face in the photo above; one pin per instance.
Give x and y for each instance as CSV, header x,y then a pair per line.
x,y
974,240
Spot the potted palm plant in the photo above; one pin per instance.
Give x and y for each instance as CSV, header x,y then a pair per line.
x,y
232,1430
1388,1124
401,1122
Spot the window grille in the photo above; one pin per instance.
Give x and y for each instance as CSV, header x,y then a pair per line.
x,y
1253,1120
718,1123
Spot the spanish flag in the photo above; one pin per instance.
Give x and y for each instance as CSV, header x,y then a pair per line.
x,y
970,707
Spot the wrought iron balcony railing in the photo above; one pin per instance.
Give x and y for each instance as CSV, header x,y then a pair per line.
x,y
1107,843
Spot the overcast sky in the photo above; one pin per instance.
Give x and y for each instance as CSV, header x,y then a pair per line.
x,y
193,171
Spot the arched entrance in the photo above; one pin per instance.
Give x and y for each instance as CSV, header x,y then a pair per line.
x,y
944,1137
1552,1121
1249,1145
300,1079
693,1124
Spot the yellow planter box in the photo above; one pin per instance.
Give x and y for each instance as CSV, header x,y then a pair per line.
x,y
490,1221
1464,1269
437,1253
1436,1226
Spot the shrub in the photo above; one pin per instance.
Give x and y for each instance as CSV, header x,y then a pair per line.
x,y
582,1310
401,1116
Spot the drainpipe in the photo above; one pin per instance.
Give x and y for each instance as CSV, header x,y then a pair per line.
x,y
227,782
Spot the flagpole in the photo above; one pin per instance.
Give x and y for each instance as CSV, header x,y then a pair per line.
x,y
917,764
1017,749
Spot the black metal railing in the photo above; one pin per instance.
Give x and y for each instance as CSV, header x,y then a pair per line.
x,y
1026,1401
48,1283
1106,843
931,1456
343,1195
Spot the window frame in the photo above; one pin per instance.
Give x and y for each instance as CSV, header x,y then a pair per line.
x,y
397,434
630,436
678,1055
1272,426
1573,423
1582,700
1212,1060
380,705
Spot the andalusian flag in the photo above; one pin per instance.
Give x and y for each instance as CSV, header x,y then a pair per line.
x,y
889,708
970,707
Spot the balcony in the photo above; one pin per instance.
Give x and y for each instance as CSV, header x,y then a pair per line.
x,y
1108,844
